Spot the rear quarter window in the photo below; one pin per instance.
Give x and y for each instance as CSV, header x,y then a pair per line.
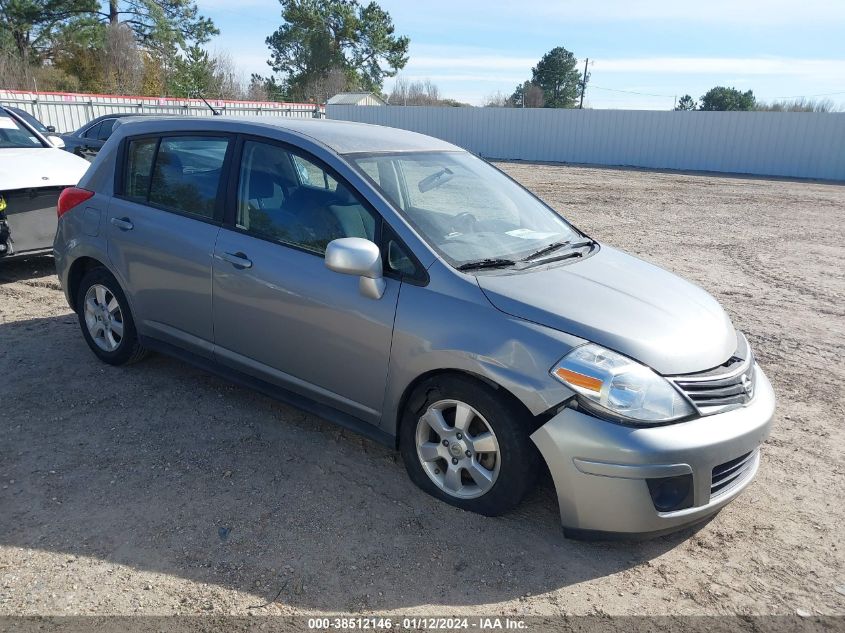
x,y
139,165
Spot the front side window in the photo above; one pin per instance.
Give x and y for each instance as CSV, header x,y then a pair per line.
x,y
177,173
466,209
287,198
13,134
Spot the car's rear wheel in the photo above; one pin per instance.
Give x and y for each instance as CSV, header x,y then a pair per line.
x,y
467,444
105,319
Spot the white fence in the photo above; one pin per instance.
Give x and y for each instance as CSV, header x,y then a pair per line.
x,y
69,111
793,144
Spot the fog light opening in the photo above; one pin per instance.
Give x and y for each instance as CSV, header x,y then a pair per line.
x,y
671,493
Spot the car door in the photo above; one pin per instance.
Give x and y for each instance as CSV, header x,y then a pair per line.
x,y
279,313
163,222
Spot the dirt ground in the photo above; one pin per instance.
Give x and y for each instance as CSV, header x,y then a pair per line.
x,y
160,489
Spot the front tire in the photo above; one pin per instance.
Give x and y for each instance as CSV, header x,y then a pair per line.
x,y
105,319
468,445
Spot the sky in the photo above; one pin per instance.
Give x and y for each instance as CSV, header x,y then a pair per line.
x,y
643,54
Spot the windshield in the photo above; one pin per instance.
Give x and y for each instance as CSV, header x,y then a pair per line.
x,y
466,209
13,134
26,116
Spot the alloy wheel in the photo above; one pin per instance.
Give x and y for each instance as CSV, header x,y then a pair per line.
x,y
103,317
458,449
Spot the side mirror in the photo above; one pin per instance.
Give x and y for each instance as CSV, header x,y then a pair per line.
x,y
56,141
357,256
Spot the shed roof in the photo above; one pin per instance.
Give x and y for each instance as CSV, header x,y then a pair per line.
x,y
354,98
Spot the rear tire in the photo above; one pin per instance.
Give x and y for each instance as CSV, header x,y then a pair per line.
x,y
468,445
105,319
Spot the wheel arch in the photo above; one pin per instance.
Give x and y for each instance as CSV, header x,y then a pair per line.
x,y
77,271
410,391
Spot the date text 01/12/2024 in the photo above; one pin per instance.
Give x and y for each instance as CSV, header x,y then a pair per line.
x,y
416,623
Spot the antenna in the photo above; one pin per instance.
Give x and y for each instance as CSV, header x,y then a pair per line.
x,y
214,112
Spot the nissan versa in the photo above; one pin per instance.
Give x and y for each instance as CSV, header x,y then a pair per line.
x,y
400,286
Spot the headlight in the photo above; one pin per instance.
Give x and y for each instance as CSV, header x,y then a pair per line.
x,y
621,386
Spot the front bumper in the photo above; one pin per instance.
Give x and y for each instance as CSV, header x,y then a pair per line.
x,y
600,469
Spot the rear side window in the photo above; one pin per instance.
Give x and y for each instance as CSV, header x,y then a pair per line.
x,y
105,130
177,173
92,131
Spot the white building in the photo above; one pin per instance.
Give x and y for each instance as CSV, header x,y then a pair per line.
x,y
356,98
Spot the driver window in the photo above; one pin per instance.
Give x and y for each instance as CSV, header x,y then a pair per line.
x,y
289,199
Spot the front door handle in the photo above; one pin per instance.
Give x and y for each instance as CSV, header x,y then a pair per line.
x,y
124,224
238,260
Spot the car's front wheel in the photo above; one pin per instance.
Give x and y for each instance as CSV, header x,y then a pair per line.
x,y
105,319
467,444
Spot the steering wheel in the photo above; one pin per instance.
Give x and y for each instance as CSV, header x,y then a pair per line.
x,y
464,222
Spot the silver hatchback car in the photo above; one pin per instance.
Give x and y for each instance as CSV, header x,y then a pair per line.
x,y
402,287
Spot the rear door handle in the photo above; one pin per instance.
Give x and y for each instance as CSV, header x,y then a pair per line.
x,y
238,260
124,224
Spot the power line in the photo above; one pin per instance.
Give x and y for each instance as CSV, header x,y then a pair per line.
x,y
823,94
630,92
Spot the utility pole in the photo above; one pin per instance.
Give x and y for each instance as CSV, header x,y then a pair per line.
x,y
584,84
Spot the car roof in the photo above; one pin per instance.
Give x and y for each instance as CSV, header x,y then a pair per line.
x,y
344,137
119,115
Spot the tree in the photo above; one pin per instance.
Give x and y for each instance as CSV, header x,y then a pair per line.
x,y
414,93
193,74
122,61
801,104
31,25
527,95
266,89
160,24
721,98
321,37
686,103
556,74
497,99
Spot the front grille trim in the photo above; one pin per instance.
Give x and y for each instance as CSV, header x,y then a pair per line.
x,y
722,388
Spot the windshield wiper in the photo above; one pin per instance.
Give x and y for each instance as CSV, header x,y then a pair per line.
x,y
546,249
555,258
487,263
554,246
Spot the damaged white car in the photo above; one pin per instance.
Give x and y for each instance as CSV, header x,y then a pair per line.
x,y
33,172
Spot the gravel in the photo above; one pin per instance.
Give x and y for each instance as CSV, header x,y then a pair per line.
x,y
160,489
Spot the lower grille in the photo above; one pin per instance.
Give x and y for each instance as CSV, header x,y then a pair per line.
x,y
726,476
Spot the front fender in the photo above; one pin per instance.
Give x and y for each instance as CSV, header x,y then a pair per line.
x,y
448,326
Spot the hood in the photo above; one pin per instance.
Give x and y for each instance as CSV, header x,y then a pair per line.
x,y
22,168
624,304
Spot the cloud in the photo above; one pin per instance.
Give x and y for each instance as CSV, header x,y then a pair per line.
x,y
829,69
492,62
723,12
